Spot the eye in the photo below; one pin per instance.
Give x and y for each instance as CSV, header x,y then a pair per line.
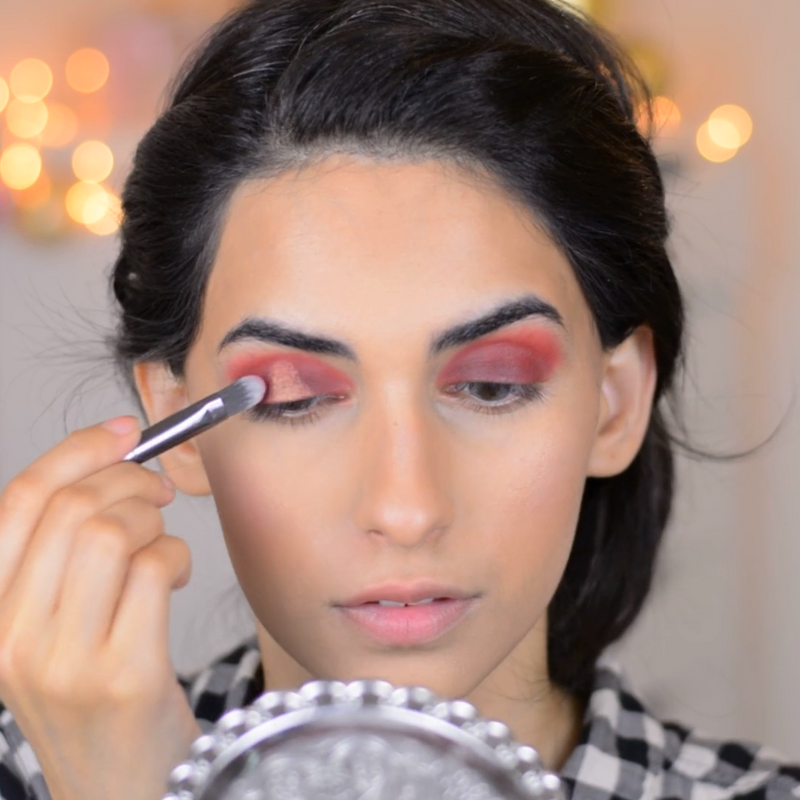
x,y
492,398
495,398
294,412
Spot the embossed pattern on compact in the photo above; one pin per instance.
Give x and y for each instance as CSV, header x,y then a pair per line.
x,y
363,740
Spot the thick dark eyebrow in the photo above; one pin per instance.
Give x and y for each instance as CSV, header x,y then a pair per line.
x,y
264,330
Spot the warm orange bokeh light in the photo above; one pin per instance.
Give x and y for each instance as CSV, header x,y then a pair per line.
x,y
20,165
26,120
31,80
4,95
87,202
666,115
710,150
109,223
87,70
730,126
92,161
62,126
724,133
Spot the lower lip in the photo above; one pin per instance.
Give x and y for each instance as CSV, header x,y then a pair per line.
x,y
404,626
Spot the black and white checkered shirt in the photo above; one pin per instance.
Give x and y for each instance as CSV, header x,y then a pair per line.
x,y
624,752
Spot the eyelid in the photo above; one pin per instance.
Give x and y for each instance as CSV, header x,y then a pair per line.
x,y
504,359
299,374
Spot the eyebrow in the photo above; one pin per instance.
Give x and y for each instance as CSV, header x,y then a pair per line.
x,y
260,329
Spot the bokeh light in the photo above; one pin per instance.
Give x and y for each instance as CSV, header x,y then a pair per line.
x,y
20,165
4,95
87,203
666,115
109,222
87,70
31,80
92,161
62,126
724,133
730,126
709,149
26,120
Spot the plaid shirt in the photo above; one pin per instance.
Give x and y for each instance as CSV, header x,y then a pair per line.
x,y
624,752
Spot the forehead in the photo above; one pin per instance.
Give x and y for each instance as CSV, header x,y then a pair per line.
x,y
355,246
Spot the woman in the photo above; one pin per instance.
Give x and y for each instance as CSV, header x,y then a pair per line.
x,y
434,227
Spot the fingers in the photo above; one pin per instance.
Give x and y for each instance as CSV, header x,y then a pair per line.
x,y
155,571
25,498
39,578
98,567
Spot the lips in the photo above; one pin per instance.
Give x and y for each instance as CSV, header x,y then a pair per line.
x,y
407,625
407,593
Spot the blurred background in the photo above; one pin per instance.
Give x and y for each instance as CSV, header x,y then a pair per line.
x,y
718,646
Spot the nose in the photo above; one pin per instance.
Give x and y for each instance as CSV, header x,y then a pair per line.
x,y
403,495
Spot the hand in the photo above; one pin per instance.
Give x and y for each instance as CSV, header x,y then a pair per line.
x,y
86,574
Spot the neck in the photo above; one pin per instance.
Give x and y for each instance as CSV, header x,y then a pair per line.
x,y
545,717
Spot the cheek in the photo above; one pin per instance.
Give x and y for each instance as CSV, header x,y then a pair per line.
x,y
258,513
525,503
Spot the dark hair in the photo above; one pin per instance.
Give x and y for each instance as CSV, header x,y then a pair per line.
x,y
526,90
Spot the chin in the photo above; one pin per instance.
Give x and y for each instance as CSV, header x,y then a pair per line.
x,y
441,673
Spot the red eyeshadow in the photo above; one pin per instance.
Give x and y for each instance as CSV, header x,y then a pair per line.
x,y
524,356
290,376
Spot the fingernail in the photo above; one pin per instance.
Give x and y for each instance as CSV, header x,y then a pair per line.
x,y
167,481
120,425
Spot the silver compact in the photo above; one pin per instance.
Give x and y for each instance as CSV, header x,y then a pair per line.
x,y
364,740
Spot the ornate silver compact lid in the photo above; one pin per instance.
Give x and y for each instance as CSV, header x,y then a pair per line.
x,y
364,740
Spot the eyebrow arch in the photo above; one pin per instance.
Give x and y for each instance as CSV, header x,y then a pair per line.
x,y
260,329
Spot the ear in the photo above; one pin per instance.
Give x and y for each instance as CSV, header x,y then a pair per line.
x,y
163,394
628,385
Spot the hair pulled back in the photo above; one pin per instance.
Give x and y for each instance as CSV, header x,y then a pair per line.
x,y
525,89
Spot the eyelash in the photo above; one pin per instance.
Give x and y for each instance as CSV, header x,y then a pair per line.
x,y
286,413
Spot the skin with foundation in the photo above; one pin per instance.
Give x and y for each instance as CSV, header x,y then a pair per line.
x,y
438,397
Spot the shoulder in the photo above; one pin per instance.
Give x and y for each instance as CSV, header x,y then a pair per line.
x,y
231,681
626,753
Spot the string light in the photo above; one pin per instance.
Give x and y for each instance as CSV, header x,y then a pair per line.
x,y
26,120
87,203
724,133
710,150
4,95
110,221
666,115
92,161
87,70
730,126
31,80
20,165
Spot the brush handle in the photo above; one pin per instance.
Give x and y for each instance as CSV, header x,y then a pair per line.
x,y
178,428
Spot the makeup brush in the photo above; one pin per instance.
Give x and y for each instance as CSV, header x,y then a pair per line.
x,y
240,396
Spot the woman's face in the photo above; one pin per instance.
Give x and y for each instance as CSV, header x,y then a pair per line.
x,y
444,458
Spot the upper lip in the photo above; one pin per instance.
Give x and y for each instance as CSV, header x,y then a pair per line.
x,y
407,592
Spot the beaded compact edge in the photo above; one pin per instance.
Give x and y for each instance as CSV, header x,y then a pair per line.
x,y
218,757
